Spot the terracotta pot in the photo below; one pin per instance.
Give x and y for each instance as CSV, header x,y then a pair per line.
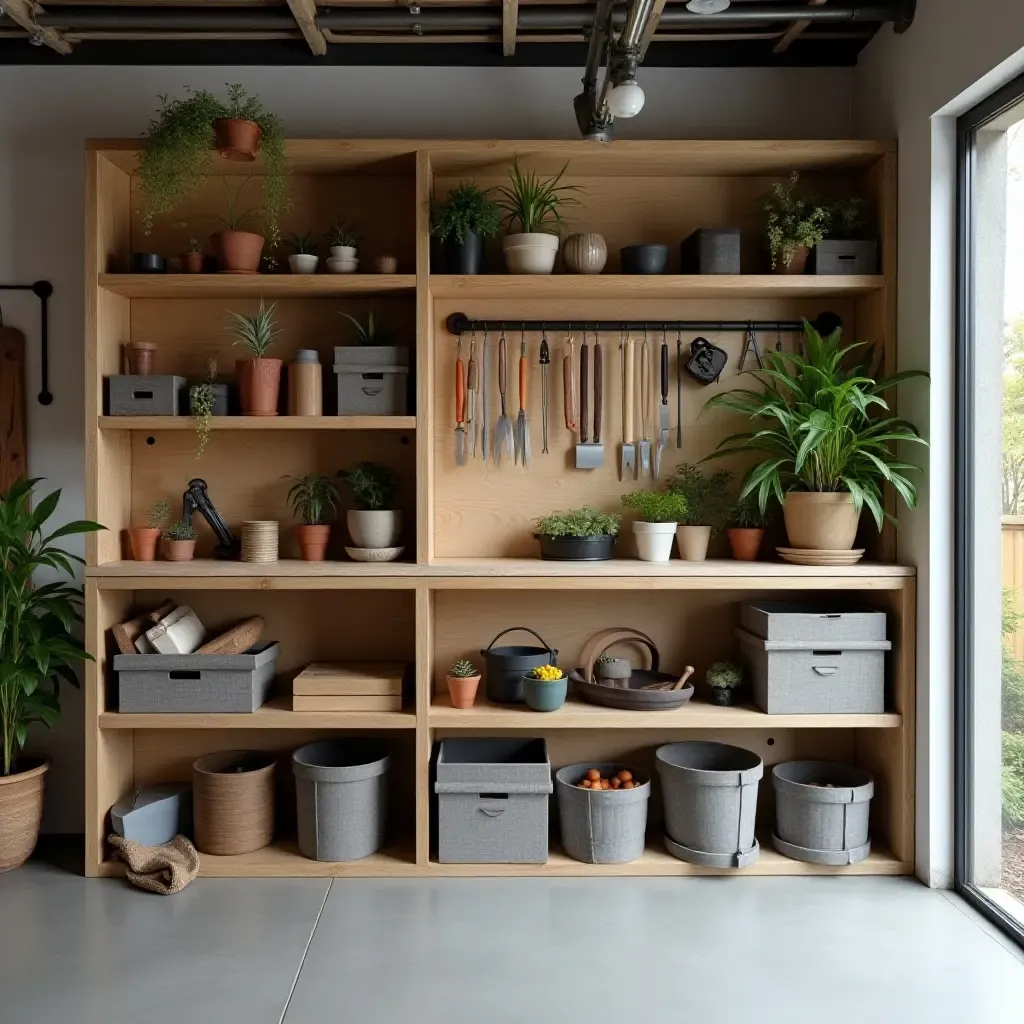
x,y
236,139
821,521
140,357
21,811
191,262
745,543
233,801
463,690
238,252
179,550
313,542
693,542
143,540
797,265
259,384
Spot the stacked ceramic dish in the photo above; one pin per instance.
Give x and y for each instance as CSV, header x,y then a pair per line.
x,y
342,260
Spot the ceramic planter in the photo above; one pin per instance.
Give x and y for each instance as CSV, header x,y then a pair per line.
x,y
343,252
466,257
576,549
386,265
545,694
143,540
238,252
148,263
313,541
821,521
532,253
644,259
21,811
745,543
259,384
191,262
693,542
797,265
654,541
378,528
233,802
585,253
237,139
337,265
303,262
462,690
179,550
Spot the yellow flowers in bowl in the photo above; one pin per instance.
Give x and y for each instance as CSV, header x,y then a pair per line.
x,y
547,673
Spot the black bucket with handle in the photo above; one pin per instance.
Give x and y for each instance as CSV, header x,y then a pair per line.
x,y
506,666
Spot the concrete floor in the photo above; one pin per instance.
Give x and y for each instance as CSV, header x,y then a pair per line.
x,y
509,951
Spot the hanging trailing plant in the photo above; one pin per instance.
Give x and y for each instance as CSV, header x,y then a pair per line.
x,y
202,399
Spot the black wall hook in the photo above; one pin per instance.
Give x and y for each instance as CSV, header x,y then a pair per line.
x,y
43,290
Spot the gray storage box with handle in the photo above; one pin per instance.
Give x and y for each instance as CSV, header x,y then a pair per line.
x,y
196,683
155,395
839,256
372,381
492,801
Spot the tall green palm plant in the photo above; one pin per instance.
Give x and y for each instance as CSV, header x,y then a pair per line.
x,y
535,204
821,424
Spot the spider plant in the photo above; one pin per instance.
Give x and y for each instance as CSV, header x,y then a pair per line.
x,y
257,332
235,220
312,498
342,235
533,204
372,332
821,424
303,245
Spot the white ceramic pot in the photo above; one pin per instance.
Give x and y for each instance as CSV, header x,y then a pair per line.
x,y
821,521
376,529
532,253
340,266
654,541
693,542
343,252
303,262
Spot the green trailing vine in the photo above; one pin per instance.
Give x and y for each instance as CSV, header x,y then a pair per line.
x,y
201,401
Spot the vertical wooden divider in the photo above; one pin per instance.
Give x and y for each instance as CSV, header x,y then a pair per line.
x,y
424,741
424,366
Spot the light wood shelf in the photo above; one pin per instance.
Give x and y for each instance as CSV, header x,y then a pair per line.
x,y
240,286
261,423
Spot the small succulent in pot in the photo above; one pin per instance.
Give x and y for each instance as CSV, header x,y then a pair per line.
x,y
144,538
313,498
580,535
304,258
192,257
375,523
747,524
342,244
658,512
545,688
726,681
463,679
613,671
179,541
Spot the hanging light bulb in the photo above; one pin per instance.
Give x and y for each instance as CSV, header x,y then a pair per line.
x,y
626,99
707,6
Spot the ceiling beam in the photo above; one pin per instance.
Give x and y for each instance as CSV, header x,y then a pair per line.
x,y
304,13
23,12
651,26
795,30
509,26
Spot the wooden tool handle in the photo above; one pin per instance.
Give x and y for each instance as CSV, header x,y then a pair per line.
x,y
645,387
522,381
567,392
664,373
460,390
471,374
598,391
681,681
584,397
628,417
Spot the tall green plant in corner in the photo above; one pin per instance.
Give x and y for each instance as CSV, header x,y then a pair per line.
x,y
37,621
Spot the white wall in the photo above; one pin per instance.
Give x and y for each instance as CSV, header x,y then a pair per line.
x,y
913,87
47,113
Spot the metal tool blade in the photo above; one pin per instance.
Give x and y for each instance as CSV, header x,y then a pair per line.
x,y
645,406
662,412
627,456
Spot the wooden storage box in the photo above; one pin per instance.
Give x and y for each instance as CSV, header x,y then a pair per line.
x,y
362,686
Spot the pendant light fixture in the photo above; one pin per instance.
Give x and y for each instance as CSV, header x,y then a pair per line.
x,y
707,6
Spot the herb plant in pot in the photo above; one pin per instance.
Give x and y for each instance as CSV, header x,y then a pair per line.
x,y
179,541
313,499
463,679
342,243
793,225
192,257
747,524
37,652
376,523
707,508
461,223
259,377
659,512
826,440
533,215
582,535
545,688
144,539
725,682
238,251
304,259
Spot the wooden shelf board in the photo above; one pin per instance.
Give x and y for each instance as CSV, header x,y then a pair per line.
x,y
628,286
275,714
577,714
152,424
275,286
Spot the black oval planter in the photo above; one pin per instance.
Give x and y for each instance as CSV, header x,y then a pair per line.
x,y
467,258
644,259
576,549
148,263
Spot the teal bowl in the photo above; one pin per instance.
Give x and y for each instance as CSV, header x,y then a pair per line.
x,y
545,696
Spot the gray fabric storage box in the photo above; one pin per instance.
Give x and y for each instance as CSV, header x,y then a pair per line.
x,y
155,815
196,683
492,801
711,251
157,395
372,380
835,256
807,620
605,826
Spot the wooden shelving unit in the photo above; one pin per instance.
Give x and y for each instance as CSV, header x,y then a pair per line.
x,y
470,567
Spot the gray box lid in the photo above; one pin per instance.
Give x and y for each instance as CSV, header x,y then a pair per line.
x,y
263,653
811,620
498,765
811,645
376,356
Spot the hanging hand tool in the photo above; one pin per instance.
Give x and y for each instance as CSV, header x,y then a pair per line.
x,y
750,342
503,428
522,443
679,389
485,404
545,390
460,409
627,462
645,405
662,411
569,393
473,412
590,455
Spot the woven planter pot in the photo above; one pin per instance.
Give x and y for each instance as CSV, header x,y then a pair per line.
x,y
260,541
21,811
233,802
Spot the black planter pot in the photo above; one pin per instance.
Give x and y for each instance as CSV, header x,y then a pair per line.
x,y
644,259
148,263
467,258
575,549
723,696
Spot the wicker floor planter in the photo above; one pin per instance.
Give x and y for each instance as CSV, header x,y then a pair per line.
x,y
21,811
603,826
233,801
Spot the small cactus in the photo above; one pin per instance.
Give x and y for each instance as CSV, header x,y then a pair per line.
x,y
463,669
604,659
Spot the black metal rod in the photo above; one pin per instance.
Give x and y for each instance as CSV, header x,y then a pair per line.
x,y
42,290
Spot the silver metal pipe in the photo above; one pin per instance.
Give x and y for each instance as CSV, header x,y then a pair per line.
x,y
639,15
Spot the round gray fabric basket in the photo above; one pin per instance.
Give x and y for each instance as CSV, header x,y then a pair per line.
x,y
710,797
713,860
601,826
822,811
341,789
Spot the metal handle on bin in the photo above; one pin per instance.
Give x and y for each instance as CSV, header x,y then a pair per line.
x,y
494,810
825,670
182,674
524,629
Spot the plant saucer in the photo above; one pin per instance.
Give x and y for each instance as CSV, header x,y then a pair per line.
x,y
809,556
373,554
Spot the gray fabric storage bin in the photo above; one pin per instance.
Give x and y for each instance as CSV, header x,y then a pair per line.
x,y
835,256
711,251
810,677
155,815
157,395
605,826
196,683
822,811
341,798
807,620
372,380
492,801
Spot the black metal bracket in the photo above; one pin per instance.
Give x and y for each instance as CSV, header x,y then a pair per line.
x,y
43,290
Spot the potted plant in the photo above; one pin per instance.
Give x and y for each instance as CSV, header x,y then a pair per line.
x,y
192,257
793,225
303,259
826,441
582,535
848,248
38,650
144,538
659,513
533,206
545,688
207,398
259,378
385,263
746,529
461,223
313,498
707,508
463,679
238,251
342,242
375,523
179,541
725,681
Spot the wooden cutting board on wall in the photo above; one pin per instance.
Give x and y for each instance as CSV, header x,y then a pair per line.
x,y
13,426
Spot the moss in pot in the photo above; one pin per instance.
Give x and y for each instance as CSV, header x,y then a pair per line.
x,y
580,535
707,508
179,541
725,681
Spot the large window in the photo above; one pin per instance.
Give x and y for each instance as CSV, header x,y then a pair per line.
x,y
990,510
